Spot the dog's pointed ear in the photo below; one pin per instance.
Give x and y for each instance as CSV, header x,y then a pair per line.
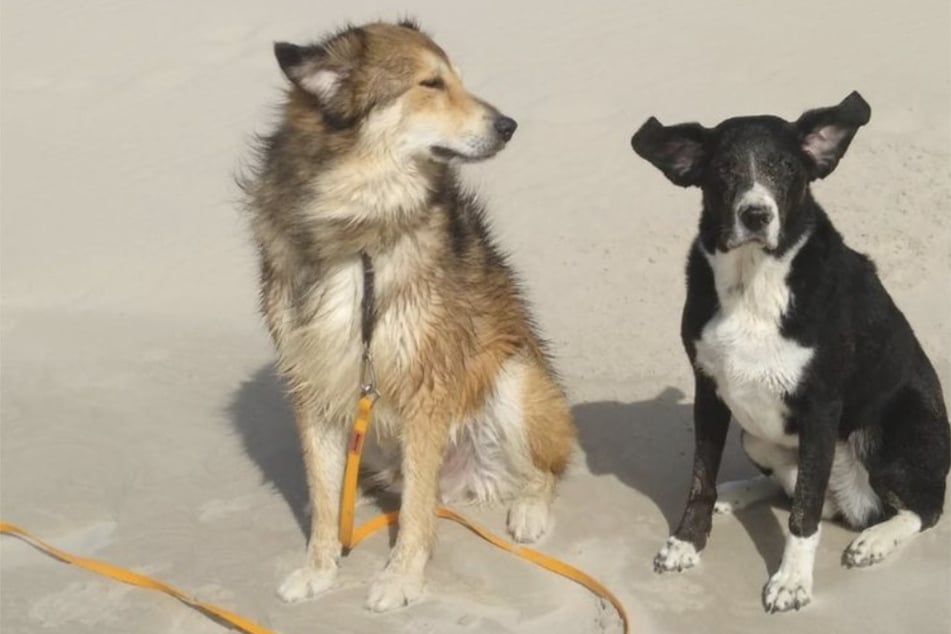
x,y
825,133
309,68
678,151
325,71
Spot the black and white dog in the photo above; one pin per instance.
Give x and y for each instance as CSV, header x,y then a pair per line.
x,y
792,333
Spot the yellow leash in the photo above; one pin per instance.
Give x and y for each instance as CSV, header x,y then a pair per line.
x,y
350,536
135,579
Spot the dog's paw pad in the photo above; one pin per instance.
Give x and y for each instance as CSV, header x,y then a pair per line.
x,y
306,583
786,592
391,590
676,555
868,549
529,519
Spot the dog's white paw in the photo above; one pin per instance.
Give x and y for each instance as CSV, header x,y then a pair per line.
x,y
391,590
529,519
870,547
877,542
306,583
787,590
676,555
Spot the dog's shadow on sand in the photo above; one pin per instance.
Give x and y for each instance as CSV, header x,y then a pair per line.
x,y
647,445
261,414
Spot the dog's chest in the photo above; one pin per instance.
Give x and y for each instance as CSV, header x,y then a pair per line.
x,y
742,349
327,346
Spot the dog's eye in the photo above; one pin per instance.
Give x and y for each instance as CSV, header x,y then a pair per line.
x,y
435,83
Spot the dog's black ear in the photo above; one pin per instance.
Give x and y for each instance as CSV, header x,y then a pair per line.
x,y
678,151
825,133
325,71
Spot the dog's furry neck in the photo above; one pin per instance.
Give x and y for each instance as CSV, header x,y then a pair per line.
x,y
331,193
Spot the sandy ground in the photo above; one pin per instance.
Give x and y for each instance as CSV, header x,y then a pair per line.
x,y
141,421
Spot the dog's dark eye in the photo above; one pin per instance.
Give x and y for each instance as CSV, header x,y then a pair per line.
x,y
723,170
435,83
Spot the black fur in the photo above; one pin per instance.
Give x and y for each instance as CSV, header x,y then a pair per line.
x,y
868,370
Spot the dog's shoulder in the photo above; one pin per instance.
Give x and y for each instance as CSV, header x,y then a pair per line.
x,y
701,303
836,290
864,344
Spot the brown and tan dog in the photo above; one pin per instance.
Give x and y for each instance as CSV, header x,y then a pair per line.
x,y
469,408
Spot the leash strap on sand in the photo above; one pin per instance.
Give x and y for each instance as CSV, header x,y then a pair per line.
x,y
350,536
124,575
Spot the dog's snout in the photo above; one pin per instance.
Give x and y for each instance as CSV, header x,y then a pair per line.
x,y
755,217
505,126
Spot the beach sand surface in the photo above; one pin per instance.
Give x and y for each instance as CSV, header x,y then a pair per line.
x,y
142,422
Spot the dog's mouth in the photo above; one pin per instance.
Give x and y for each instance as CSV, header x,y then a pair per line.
x,y
446,154
735,242
731,243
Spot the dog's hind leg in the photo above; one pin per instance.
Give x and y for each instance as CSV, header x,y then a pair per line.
x,y
778,466
737,495
909,477
780,463
324,447
878,541
549,439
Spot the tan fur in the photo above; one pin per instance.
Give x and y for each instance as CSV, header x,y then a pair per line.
x,y
466,390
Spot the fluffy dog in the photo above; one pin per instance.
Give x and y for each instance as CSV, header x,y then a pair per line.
x,y
361,169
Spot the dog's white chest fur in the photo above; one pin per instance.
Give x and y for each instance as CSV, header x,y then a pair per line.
x,y
742,349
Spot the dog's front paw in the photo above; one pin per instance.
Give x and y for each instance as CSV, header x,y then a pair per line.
x,y
529,519
787,590
306,583
676,555
391,590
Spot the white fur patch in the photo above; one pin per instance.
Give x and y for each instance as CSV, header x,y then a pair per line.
x,y
529,519
488,456
740,494
791,586
377,181
849,493
742,348
758,196
877,542
326,348
676,555
849,488
390,589
306,583
323,83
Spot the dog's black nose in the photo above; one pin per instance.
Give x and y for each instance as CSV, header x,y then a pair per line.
x,y
755,217
505,126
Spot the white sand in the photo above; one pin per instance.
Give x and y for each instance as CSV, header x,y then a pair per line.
x,y
140,419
